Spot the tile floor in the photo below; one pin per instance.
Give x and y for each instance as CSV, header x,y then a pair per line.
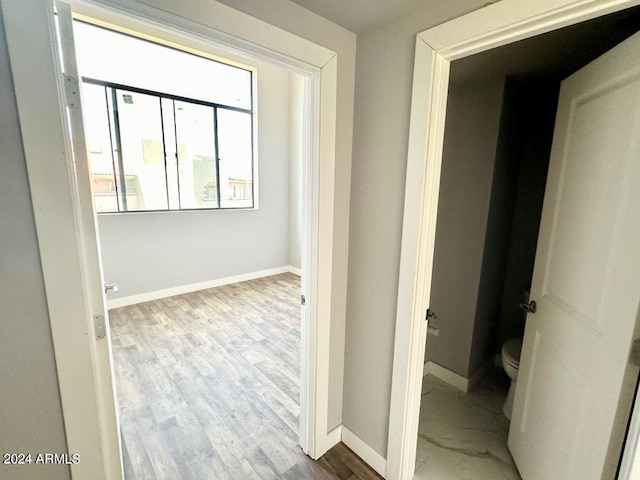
x,y
463,436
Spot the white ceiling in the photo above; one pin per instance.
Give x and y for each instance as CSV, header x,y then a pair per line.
x,y
360,15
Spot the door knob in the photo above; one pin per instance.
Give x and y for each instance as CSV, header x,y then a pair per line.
x,y
111,287
529,307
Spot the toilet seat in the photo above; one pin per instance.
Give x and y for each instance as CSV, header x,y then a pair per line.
x,y
511,352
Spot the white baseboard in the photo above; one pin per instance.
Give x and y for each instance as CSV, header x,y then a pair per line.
x,y
194,287
364,451
447,376
295,270
333,438
455,380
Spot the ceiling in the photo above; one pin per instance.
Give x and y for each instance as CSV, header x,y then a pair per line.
x,y
361,15
552,56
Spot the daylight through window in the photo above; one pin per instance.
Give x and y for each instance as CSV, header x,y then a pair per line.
x,y
173,137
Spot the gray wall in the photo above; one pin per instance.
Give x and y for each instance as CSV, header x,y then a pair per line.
x,y
472,126
384,73
492,189
30,409
145,252
498,233
536,102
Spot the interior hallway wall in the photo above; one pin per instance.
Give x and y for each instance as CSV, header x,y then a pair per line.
x,y
381,130
30,408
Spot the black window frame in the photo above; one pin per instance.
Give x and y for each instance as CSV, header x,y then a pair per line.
x,y
118,163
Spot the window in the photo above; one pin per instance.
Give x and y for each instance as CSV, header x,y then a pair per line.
x,y
178,135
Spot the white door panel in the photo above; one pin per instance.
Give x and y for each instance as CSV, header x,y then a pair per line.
x,y
87,223
587,275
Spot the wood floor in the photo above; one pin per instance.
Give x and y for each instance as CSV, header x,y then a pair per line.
x,y
208,387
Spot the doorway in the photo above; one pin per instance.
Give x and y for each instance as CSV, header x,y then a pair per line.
x,y
411,335
168,156
66,226
187,147
500,118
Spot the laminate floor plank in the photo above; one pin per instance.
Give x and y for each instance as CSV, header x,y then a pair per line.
x,y
208,387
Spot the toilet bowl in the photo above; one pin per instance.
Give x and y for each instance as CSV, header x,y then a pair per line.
x,y
511,363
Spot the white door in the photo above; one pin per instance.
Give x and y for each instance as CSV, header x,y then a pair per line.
x,y
586,278
103,369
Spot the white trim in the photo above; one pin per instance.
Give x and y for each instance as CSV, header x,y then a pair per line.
x,y
334,437
490,27
243,35
364,451
447,376
456,380
295,270
116,302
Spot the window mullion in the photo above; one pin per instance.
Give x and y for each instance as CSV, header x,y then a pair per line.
x,y
217,157
116,174
116,121
164,153
175,135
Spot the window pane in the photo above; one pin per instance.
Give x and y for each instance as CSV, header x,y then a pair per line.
x,y
96,119
236,165
114,57
142,149
195,135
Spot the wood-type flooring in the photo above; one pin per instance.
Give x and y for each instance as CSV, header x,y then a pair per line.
x,y
208,387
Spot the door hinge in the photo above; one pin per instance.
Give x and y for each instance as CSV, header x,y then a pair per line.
x,y
303,300
72,91
430,315
634,357
99,326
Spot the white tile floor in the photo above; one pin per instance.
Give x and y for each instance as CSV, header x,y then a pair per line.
x,y
463,436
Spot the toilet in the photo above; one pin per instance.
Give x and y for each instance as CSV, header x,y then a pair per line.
x,y
511,363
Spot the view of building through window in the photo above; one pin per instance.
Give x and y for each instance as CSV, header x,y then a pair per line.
x,y
166,130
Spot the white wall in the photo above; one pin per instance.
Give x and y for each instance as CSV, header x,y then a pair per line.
x,y
381,128
30,408
145,252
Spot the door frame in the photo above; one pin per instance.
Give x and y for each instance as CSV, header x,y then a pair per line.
x,y
490,27
60,207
